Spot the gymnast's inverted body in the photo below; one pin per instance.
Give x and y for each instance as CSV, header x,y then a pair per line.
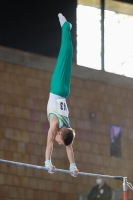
x,y
57,110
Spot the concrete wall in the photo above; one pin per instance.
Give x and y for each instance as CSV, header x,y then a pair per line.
x,y
24,90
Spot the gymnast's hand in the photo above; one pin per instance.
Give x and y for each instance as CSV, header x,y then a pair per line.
x,y
51,169
75,172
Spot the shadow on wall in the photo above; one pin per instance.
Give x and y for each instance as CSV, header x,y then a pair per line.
x,y
116,195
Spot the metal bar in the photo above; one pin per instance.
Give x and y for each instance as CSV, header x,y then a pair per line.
x,y
102,33
59,170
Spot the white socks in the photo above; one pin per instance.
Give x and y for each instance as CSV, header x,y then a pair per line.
x,y
62,20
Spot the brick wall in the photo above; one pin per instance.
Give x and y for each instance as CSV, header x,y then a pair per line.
x,y
23,131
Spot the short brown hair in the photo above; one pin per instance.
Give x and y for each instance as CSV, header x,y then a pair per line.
x,y
68,135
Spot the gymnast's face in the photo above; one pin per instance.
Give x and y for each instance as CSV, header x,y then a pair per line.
x,y
58,138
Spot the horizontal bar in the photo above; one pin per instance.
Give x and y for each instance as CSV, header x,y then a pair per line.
x,y
59,170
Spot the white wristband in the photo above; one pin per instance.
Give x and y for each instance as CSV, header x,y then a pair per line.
x,y
72,166
48,163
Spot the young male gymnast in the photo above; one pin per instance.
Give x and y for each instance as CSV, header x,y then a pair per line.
x,y
57,110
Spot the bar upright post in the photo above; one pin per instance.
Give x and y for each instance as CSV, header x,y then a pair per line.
x,y
124,188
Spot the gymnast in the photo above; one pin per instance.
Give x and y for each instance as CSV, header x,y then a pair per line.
x,y
57,110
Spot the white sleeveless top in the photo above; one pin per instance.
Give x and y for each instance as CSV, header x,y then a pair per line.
x,y
57,105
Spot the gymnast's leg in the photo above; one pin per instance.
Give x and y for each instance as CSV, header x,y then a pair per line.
x,y
60,82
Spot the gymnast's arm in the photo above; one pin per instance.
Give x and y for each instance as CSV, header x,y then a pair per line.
x,y
70,154
50,141
50,138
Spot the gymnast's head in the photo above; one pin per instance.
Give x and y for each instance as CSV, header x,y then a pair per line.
x,y
65,136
